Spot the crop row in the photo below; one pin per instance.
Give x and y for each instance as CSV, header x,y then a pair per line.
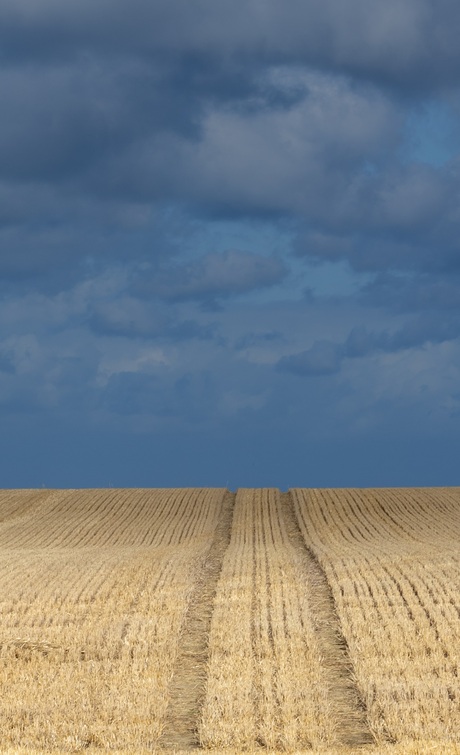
x,y
315,619
89,634
391,559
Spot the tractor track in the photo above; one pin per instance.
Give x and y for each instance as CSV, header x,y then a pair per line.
x,y
347,706
188,684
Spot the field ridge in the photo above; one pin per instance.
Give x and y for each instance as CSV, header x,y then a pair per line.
x,y
347,705
188,684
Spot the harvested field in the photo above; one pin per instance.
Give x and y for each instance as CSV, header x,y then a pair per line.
x,y
94,589
277,675
147,620
392,560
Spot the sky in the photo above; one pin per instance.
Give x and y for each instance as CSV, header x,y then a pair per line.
x,y
229,243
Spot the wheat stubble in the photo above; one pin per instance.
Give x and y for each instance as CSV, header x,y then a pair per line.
x,y
188,685
346,705
94,589
391,559
266,686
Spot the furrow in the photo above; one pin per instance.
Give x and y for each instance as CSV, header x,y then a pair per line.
x,y
347,707
188,684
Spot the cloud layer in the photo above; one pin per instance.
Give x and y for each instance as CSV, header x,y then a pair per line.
x,y
235,220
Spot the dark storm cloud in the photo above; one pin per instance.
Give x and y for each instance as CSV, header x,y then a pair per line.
x,y
323,358
173,177
424,292
213,276
257,339
326,357
411,42
404,218
131,318
125,316
271,112
60,121
417,332
138,70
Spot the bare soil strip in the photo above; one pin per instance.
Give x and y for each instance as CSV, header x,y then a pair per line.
x,y
347,706
188,684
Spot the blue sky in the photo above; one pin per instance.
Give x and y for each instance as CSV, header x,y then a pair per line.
x,y
229,243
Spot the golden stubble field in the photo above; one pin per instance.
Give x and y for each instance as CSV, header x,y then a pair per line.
x,y
145,620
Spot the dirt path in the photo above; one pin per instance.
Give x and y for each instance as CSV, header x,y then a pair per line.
x,y
188,685
346,705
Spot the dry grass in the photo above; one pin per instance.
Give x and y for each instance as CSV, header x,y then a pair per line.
x,y
406,747
268,682
188,684
391,557
120,606
94,588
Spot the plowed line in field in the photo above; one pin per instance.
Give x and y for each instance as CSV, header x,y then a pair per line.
x,y
13,507
346,704
188,684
